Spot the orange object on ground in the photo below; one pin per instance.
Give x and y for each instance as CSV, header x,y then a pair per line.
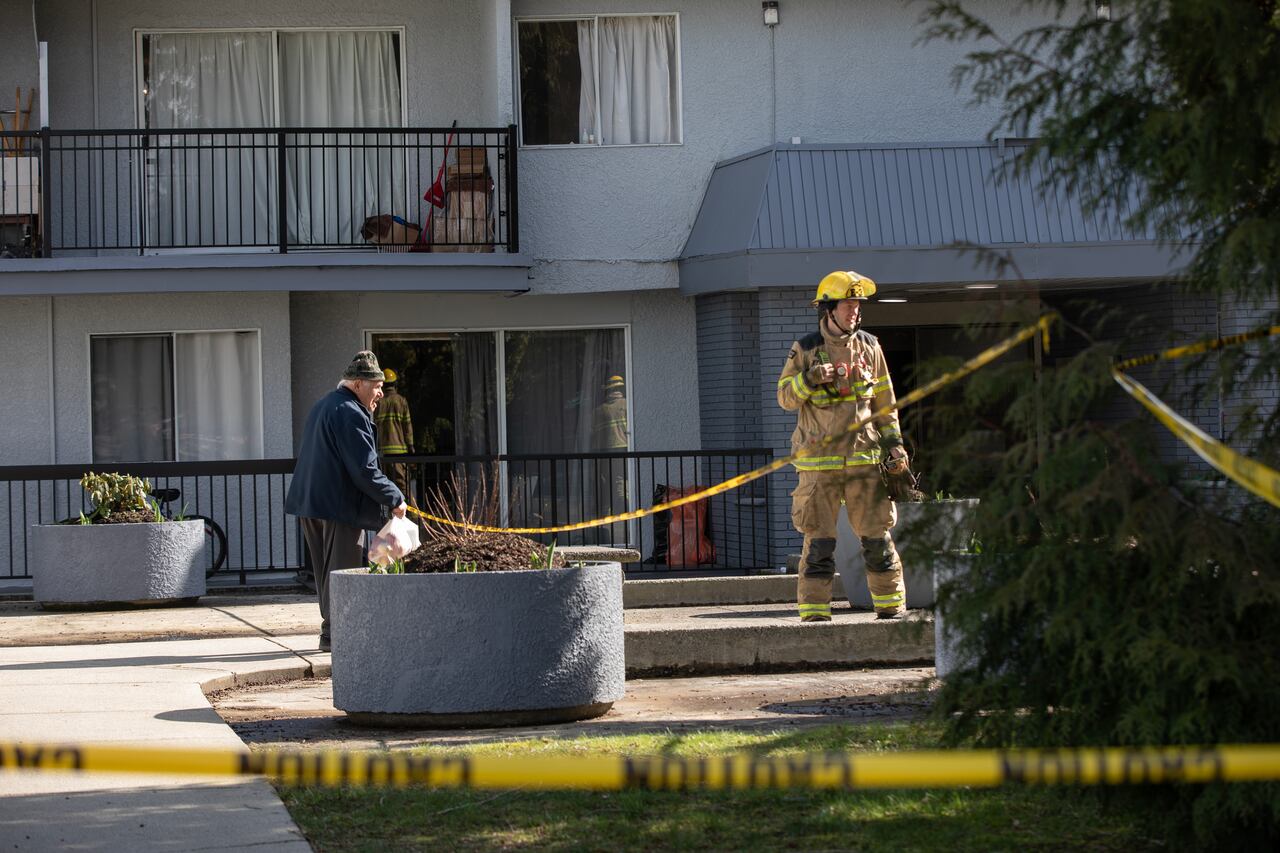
x,y
687,541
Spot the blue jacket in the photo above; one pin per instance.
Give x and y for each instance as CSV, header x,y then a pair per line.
x,y
336,477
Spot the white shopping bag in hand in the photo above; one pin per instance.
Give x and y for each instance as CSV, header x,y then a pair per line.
x,y
397,539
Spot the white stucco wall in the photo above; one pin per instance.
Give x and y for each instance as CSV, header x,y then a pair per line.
x,y
845,72
18,63
78,317
25,435
329,328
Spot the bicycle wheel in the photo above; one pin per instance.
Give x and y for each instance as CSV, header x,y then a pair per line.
x,y
217,543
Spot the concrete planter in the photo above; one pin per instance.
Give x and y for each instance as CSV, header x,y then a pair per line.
x,y
482,648
923,529
93,565
947,567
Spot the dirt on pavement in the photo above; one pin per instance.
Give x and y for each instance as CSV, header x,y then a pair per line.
x,y
301,713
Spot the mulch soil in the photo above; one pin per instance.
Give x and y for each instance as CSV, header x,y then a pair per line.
x,y
491,552
129,516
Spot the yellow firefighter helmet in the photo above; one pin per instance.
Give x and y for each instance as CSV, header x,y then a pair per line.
x,y
844,284
614,382
389,375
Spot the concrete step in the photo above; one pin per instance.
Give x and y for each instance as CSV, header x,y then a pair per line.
x,y
768,637
659,640
759,589
706,592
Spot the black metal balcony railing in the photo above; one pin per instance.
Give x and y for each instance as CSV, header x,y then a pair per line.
x,y
727,532
263,189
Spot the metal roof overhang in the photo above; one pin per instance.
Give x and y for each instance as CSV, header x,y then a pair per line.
x,y
262,272
910,217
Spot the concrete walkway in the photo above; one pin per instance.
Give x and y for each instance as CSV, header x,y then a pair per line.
x,y
141,677
149,693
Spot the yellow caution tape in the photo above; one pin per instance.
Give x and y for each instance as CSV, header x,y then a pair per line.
x,y
600,772
1254,476
979,361
1197,348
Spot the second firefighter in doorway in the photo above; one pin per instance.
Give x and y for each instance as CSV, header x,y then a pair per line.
x,y
395,433
833,378
609,432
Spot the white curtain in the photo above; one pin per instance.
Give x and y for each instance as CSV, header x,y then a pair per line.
x,y
341,79
218,396
210,189
587,90
635,66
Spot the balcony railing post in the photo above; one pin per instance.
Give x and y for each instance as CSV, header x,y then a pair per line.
x,y
513,192
46,193
282,195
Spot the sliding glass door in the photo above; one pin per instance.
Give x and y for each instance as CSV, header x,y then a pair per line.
x,y
563,397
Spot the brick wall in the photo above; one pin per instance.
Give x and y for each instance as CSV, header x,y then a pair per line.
x,y
785,317
1264,397
728,370
1166,315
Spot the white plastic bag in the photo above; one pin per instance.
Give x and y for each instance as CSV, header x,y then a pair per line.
x,y
397,539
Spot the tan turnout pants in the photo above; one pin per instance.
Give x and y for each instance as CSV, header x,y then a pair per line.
x,y
815,505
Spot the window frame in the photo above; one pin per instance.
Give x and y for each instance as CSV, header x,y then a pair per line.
x,y
500,357
172,334
516,21
140,81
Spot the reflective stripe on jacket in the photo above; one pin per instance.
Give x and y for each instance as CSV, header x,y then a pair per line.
x,y
831,408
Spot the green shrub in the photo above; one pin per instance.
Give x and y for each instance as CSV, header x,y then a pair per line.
x,y
112,493
1112,602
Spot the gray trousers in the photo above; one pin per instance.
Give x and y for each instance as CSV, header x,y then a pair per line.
x,y
332,545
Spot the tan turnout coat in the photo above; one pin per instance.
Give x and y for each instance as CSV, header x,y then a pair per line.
x,y
831,408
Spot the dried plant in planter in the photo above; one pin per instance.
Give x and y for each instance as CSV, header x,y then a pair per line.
x,y
118,499
473,502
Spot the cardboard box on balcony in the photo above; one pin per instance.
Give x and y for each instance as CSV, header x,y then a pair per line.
x,y
472,160
468,183
465,220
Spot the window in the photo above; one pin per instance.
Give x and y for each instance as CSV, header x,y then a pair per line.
x,y
602,80
217,189
555,388
185,396
565,394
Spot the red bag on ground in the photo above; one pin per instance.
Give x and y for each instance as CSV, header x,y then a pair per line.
x,y
687,540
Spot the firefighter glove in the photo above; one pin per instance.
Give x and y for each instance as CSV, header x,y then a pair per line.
x,y
820,374
901,484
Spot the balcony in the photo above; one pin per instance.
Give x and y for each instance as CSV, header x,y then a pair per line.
x,y
113,193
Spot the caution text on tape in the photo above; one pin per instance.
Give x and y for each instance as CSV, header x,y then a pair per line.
x,y
915,769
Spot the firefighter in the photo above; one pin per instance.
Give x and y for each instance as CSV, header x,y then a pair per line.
x,y
834,378
395,433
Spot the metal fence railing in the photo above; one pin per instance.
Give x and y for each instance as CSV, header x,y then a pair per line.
x,y
262,189
246,499
728,531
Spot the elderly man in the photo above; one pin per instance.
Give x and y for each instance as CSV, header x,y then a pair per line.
x,y
338,492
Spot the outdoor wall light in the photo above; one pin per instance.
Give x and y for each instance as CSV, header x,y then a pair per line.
x,y
770,13
1102,10
981,286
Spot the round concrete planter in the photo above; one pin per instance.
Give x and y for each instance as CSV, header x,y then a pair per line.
x,y
480,648
96,565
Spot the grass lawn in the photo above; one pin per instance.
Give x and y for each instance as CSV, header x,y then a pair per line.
x,y
954,820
